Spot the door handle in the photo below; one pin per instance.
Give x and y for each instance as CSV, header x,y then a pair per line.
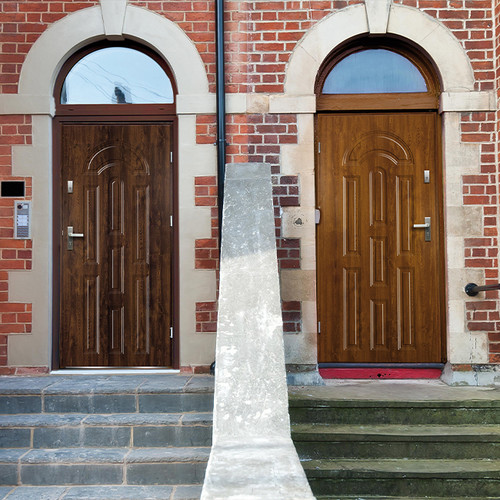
x,y
426,226
72,235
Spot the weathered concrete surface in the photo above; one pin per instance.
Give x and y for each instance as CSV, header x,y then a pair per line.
x,y
252,455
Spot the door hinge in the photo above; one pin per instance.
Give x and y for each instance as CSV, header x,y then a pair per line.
x,y
317,215
171,157
319,147
319,326
171,221
171,332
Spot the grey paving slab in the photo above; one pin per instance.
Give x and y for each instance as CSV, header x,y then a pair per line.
x,y
176,403
163,384
24,385
187,493
166,473
12,455
47,474
15,438
155,455
197,418
119,384
8,474
5,490
99,403
130,419
172,436
20,404
119,493
107,436
75,385
75,456
55,437
41,420
37,493
200,383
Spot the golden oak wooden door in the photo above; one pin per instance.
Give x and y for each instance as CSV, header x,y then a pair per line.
x,y
380,282
116,271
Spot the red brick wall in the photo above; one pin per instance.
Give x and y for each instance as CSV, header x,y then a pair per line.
x,y
21,23
15,254
260,36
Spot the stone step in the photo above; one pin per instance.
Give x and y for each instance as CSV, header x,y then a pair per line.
x,y
319,441
101,492
404,478
106,466
106,394
368,412
96,430
105,403
369,497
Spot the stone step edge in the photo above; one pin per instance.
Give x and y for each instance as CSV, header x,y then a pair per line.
x,y
103,456
365,497
294,402
124,492
48,420
391,432
402,469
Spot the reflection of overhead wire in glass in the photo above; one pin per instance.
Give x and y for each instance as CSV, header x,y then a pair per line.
x,y
135,85
91,72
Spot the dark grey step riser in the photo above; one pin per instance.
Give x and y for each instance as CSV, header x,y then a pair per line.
x,y
109,474
393,449
123,436
106,403
396,416
446,488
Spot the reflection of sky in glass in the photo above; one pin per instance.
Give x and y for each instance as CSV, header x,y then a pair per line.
x,y
117,75
374,71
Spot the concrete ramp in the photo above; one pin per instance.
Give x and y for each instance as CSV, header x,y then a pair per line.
x,y
252,455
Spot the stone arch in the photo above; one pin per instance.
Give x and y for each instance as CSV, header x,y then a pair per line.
x,y
85,26
436,40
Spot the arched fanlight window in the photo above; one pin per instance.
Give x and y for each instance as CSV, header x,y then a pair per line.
x,y
116,75
371,74
374,71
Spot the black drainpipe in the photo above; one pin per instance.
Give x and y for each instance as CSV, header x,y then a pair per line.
x,y
221,106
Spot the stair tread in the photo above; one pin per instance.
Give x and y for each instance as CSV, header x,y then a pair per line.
x,y
302,432
122,492
106,384
406,467
365,497
104,455
114,419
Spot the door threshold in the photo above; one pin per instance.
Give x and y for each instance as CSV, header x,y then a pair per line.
x,y
379,372
114,371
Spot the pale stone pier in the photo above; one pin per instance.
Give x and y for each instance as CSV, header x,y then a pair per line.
x,y
252,455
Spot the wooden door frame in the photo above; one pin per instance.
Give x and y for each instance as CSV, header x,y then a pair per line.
x,y
58,123
110,114
394,103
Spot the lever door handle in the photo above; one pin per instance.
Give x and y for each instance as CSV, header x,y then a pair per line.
x,y
72,235
427,226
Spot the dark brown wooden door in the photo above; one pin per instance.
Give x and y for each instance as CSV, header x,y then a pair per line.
x,y
116,281
380,282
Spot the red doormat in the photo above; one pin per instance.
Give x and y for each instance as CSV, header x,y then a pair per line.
x,y
380,373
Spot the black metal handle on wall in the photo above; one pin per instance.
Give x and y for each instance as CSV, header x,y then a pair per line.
x,y
471,289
